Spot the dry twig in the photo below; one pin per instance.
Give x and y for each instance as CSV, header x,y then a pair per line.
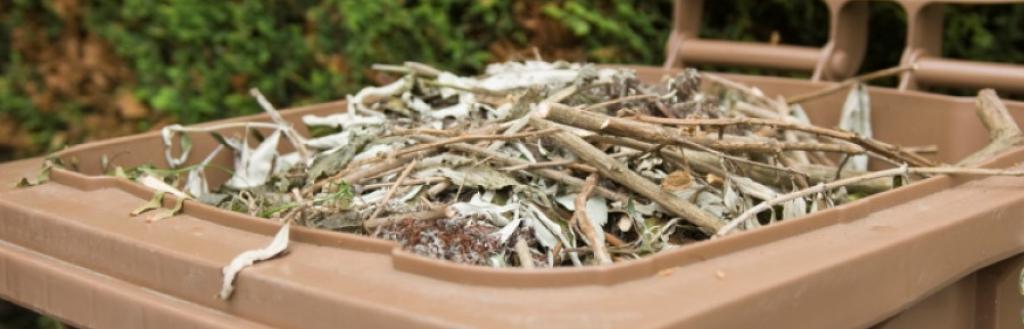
x,y
586,225
618,172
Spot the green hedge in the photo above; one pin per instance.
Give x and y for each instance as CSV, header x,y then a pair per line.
x,y
73,71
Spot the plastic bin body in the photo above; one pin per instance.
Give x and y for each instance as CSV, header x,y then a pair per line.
x,y
939,253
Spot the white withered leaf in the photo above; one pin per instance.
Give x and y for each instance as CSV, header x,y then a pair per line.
x,y
856,118
249,257
252,167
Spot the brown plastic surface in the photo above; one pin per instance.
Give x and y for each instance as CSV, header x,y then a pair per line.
x,y
939,253
924,47
69,248
838,58
841,56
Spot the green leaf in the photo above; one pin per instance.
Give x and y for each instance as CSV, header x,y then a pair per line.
x,y
330,163
23,182
155,202
163,213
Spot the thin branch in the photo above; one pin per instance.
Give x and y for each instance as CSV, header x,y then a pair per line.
x,y
824,187
551,174
850,82
620,173
433,213
631,98
885,149
222,126
547,164
660,135
427,180
391,192
1003,131
586,226
297,140
922,149
749,91
473,138
523,253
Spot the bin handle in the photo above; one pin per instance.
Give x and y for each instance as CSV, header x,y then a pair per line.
x,y
839,58
924,49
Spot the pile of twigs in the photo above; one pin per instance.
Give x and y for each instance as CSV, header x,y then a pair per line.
x,y
540,164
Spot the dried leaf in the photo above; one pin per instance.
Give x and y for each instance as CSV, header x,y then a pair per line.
x,y
195,184
477,206
730,198
249,257
546,232
332,141
677,180
856,117
252,167
481,176
568,201
347,120
506,232
597,212
330,162
752,188
286,162
341,221
503,77
458,111
375,93
168,134
794,208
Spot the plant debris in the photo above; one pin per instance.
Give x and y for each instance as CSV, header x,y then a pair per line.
x,y
247,258
537,165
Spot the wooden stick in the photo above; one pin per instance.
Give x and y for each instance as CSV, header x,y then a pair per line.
x,y
849,82
297,140
1003,131
394,188
742,88
471,138
884,149
556,163
763,173
586,226
661,135
426,180
922,149
614,240
429,214
837,134
620,173
823,187
523,253
618,100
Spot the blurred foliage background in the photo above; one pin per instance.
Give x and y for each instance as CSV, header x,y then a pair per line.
x,y
73,71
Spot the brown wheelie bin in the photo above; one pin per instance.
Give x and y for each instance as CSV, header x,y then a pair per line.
x,y
942,252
